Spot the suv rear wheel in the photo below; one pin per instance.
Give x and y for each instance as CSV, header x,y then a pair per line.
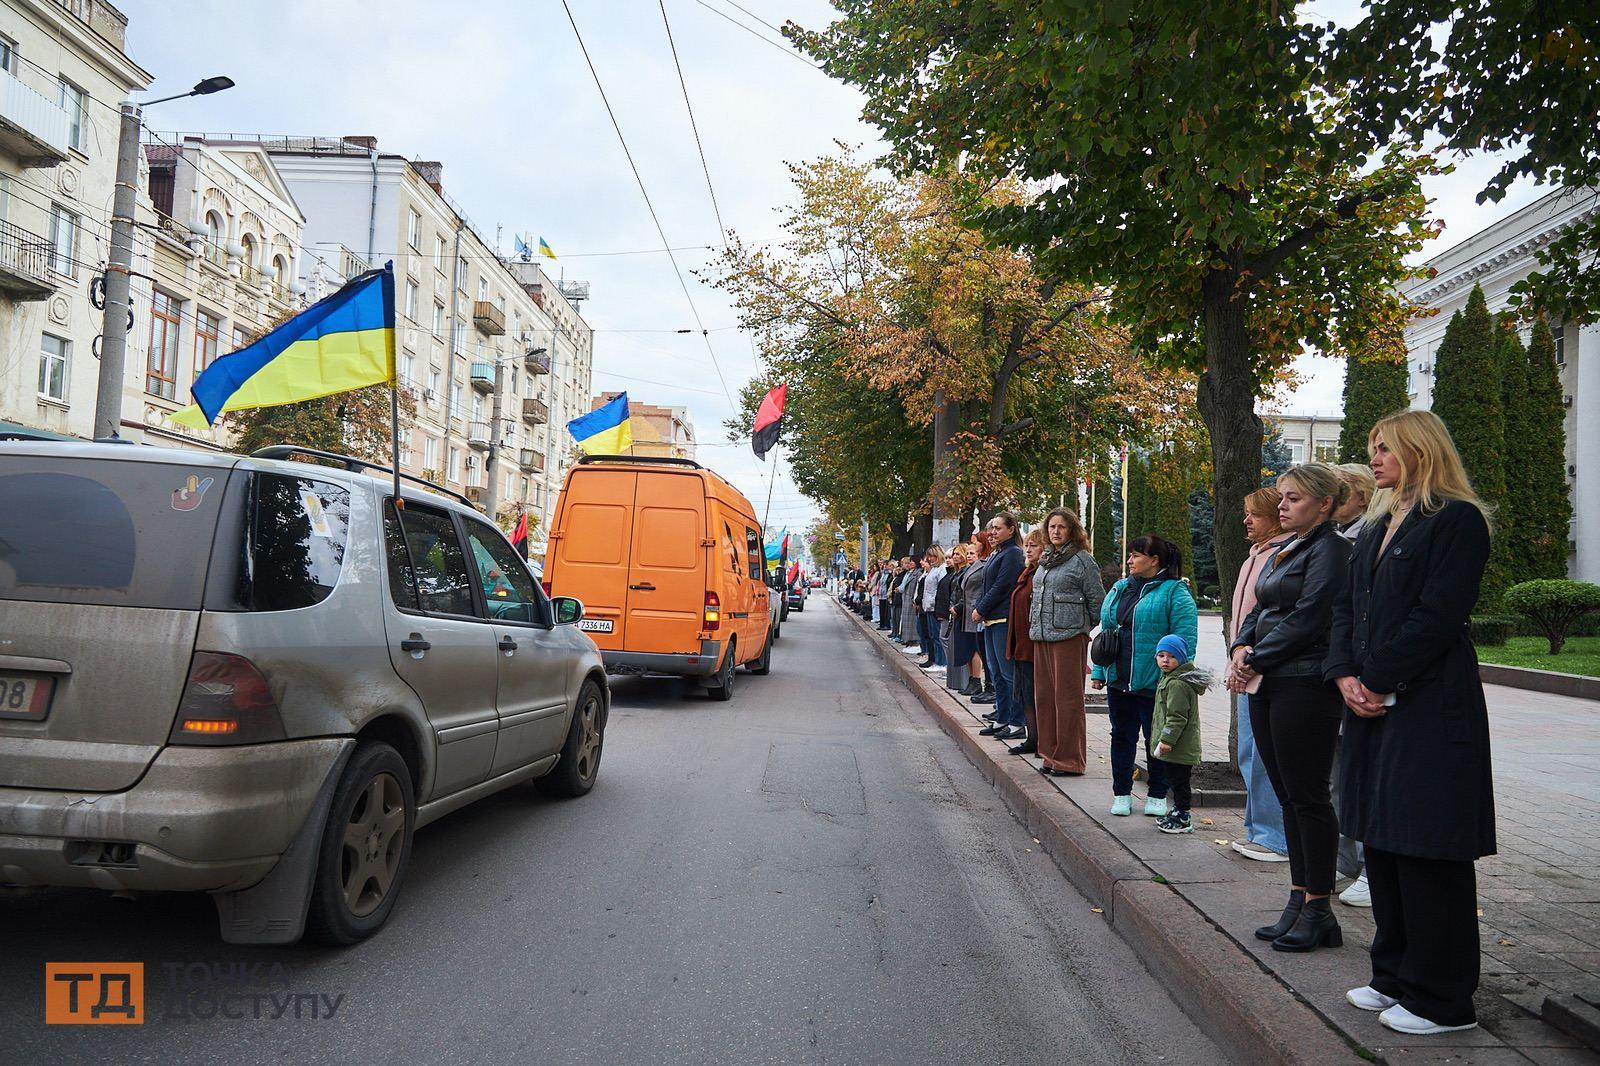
x,y
721,686
579,764
366,847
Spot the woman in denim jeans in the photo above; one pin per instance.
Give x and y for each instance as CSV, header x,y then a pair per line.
x,y
1143,607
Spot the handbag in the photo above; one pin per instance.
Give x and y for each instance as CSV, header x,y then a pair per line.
x,y
1105,647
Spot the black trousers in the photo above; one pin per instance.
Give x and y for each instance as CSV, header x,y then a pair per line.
x,y
1425,950
1179,776
1296,726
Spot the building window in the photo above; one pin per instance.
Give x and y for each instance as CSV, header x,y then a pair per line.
x,y
438,320
280,269
414,230
408,368
207,331
477,407
53,356
8,55
461,274
524,495
438,253
63,241
454,473
455,397
1558,330
411,300
71,98
241,339
161,377
433,382
430,455
483,289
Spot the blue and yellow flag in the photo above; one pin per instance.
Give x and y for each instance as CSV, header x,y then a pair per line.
x,y
545,249
605,431
340,343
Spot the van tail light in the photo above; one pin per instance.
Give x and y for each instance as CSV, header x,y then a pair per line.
x,y
713,611
225,701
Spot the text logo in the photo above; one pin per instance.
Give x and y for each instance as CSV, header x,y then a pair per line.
x,y
94,993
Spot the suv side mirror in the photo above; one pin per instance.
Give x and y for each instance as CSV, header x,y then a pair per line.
x,y
568,610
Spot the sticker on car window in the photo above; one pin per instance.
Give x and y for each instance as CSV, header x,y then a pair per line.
x,y
314,512
189,495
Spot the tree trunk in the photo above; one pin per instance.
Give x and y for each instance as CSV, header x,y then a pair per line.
x,y
921,533
946,421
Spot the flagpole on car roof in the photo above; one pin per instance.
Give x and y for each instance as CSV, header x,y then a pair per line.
x,y
394,388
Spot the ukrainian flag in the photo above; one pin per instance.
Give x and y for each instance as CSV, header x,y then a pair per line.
x,y
340,343
545,250
605,431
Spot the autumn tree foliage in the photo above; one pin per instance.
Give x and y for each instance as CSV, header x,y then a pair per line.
x,y
925,338
1200,159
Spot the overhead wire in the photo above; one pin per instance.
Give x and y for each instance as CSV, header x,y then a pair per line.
x,y
758,35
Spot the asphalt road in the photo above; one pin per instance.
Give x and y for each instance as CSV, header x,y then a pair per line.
x,y
809,873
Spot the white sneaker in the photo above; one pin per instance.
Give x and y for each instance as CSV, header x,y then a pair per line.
x,y
1368,998
911,649
1258,852
933,668
1359,894
1403,1021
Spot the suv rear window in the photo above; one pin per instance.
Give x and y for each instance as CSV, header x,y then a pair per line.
x,y
298,530
106,532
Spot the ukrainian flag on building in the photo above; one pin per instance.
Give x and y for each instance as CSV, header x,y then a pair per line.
x,y
340,343
607,430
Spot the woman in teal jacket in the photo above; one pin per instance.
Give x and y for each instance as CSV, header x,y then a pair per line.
x,y
1143,607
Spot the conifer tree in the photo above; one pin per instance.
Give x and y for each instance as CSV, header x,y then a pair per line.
x,y
1543,419
1372,389
1105,529
1467,397
1514,522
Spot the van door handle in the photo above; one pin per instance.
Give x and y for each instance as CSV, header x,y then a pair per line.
x,y
415,644
507,645
643,587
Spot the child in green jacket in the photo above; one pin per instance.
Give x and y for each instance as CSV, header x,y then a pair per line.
x,y
1175,726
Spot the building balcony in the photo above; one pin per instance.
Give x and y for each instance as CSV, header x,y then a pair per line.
x,y
537,361
532,461
24,264
483,377
475,494
478,434
32,126
534,412
489,319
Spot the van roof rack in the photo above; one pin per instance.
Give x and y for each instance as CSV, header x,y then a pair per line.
x,y
664,460
350,462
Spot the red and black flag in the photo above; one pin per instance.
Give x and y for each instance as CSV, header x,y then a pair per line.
x,y
769,421
519,536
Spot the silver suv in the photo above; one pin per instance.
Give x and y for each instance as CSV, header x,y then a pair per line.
x,y
257,678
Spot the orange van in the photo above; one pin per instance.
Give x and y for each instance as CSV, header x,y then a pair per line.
x,y
667,559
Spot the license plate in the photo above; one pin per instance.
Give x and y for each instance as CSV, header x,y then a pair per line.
x,y
25,696
596,625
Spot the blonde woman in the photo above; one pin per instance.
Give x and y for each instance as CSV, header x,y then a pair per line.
x,y
1418,790
1350,517
1294,713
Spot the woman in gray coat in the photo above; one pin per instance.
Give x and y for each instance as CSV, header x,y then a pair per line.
x,y
1067,594
970,633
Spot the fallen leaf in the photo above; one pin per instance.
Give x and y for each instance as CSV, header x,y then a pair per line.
x,y
1219,840
1207,821
1508,943
1098,910
1036,840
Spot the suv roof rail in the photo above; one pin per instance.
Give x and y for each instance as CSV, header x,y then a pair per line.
x,y
350,462
665,460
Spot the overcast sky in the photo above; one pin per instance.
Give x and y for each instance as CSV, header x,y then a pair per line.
x,y
498,90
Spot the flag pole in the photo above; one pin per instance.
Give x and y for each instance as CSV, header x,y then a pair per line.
x,y
394,439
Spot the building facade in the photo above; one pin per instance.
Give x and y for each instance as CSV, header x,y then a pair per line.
x,y
657,431
1309,437
476,332
63,76
1496,258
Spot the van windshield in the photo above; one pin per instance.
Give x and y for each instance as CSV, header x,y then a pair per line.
x,y
99,531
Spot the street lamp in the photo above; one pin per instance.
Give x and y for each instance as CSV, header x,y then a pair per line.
x,y
114,324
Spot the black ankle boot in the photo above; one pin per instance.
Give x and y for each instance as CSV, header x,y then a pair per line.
x,y
1315,928
1291,914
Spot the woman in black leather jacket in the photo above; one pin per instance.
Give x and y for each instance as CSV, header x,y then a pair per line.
x,y
1278,656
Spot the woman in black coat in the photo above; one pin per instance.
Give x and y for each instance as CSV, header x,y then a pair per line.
x,y
1417,788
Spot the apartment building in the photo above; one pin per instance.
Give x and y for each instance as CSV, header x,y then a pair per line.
x,y
472,327
63,75
1309,437
657,431
1496,258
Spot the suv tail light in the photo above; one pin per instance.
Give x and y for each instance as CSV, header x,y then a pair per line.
x,y
713,611
225,701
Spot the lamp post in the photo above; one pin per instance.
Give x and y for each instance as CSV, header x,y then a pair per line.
x,y
114,324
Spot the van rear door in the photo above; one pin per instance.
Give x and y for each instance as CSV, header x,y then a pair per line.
x,y
666,579
591,547
102,576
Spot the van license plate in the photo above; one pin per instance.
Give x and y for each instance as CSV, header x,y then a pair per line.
x,y
25,696
596,625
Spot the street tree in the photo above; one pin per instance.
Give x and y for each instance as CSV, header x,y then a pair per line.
x,y
1196,158
350,423
1013,379
1516,78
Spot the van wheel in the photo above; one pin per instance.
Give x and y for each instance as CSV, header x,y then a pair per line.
x,y
763,666
579,764
366,846
721,687
777,631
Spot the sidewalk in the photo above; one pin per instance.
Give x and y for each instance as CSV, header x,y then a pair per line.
x,y
1540,903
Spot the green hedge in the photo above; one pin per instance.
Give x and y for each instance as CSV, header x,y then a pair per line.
x,y
1492,631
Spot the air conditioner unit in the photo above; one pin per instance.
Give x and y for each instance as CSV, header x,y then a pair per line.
x,y
472,462
430,396
1424,368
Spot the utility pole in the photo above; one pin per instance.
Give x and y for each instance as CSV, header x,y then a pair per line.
x,y
114,324
491,467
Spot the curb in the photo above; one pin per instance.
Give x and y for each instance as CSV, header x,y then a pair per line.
x,y
1245,1008
1550,681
